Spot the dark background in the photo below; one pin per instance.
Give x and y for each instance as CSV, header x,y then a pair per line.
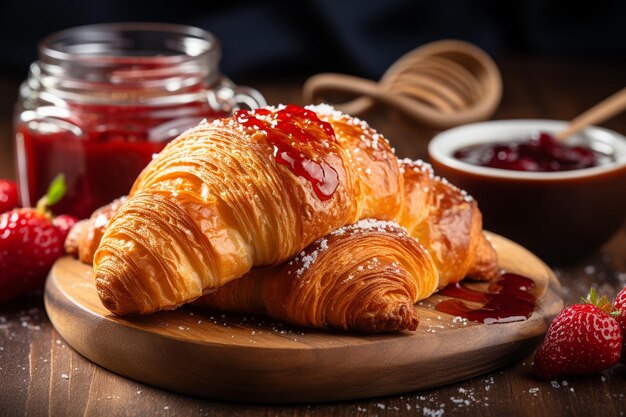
x,y
274,46
270,39
576,47
557,59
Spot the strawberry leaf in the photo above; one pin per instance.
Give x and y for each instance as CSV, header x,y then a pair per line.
x,y
57,190
55,193
592,297
603,303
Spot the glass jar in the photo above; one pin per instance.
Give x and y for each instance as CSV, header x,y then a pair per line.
x,y
102,99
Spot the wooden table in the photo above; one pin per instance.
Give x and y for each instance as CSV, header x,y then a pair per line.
x,y
41,375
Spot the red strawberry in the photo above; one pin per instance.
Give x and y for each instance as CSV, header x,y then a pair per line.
x,y
582,339
29,244
64,223
620,304
8,196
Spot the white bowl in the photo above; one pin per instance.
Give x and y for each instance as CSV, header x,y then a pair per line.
x,y
560,215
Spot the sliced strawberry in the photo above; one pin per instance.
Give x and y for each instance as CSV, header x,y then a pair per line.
x,y
582,339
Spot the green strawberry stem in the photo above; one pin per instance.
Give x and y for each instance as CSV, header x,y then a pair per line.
x,y
603,303
55,193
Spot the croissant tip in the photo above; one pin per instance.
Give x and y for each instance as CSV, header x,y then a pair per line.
x,y
404,317
408,318
106,297
116,300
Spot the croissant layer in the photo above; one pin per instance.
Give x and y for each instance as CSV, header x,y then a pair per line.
x,y
447,221
364,277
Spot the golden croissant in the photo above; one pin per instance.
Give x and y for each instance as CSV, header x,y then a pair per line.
x,y
257,188
448,223
364,277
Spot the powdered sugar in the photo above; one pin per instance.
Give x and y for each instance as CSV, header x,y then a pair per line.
x,y
306,258
417,166
327,110
371,138
420,166
370,225
468,198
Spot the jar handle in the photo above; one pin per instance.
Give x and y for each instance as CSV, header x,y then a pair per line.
x,y
230,97
54,119
248,97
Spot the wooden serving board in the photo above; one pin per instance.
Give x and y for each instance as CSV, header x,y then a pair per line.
x,y
256,359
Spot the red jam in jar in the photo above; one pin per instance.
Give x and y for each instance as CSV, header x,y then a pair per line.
x,y
101,100
540,153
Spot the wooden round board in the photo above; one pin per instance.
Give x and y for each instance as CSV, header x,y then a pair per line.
x,y
256,359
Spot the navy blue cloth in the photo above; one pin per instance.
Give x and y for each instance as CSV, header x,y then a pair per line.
x,y
271,38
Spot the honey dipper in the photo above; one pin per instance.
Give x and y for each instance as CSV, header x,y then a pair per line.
x,y
439,85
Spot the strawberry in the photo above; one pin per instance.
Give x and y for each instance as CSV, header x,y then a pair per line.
x,y
30,242
582,339
64,223
620,303
8,196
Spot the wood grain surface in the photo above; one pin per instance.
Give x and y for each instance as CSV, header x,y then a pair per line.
x,y
40,375
225,356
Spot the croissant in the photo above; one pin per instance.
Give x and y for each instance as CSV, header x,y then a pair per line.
x,y
364,277
84,238
434,211
257,188
445,220
250,190
448,223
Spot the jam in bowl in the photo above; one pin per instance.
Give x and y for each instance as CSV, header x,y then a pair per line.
x,y
541,152
563,211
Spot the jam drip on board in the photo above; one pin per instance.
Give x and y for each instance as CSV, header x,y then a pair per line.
x,y
540,153
293,131
508,299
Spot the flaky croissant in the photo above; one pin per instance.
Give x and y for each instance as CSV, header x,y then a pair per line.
x,y
448,223
444,219
364,277
250,190
84,238
255,189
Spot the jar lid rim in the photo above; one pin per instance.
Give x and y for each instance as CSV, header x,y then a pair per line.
x,y
47,47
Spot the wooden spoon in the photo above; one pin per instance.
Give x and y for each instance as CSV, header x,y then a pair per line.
x,y
440,85
599,113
